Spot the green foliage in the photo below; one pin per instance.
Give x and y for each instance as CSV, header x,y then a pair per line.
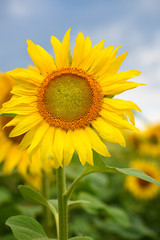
x,y
26,228
81,238
100,165
96,206
5,195
32,195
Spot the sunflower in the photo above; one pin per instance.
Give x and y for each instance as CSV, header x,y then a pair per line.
x,y
67,104
148,142
10,154
142,189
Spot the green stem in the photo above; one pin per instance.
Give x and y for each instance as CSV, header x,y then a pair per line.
x,y
62,204
46,211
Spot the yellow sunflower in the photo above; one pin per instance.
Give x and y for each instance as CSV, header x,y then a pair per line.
x,y
142,189
10,154
148,142
67,104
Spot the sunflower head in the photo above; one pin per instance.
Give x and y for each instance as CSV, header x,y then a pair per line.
x,y
67,104
148,142
140,188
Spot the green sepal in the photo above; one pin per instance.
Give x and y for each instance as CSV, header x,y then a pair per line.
x,y
8,115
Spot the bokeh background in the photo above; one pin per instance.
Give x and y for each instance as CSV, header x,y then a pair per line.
x,y
133,24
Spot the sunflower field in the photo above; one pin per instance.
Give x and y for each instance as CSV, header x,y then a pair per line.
x,y
79,120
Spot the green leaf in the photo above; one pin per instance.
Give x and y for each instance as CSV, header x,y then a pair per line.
x,y
76,204
8,115
8,237
32,195
117,214
26,228
81,238
5,195
101,166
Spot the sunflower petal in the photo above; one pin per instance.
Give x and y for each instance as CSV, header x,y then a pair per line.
x,y
113,118
68,148
61,50
38,135
42,59
26,124
115,89
58,145
82,146
121,104
96,143
78,50
108,131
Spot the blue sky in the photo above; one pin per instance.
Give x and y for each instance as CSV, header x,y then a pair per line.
x,y
134,24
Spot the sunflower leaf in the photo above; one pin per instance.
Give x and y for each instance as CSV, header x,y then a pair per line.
x,y
100,165
117,214
26,228
32,195
77,204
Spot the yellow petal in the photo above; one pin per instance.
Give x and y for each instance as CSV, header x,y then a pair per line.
x,y
78,50
4,149
118,77
108,131
43,127
26,124
26,75
116,64
82,146
61,50
102,61
96,143
117,120
42,59
92,56
22,90
20,100
121,104
23,109
27,139
13,158
68,148
47,144
115,89
58,144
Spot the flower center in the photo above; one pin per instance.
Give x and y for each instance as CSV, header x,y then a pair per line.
x,y
143,183
69,99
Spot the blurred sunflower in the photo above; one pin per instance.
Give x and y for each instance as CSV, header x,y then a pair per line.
x,y
10,154
67,104
142,189
148,142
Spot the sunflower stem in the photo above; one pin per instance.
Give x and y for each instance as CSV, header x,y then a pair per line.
x,y
46,212
62,204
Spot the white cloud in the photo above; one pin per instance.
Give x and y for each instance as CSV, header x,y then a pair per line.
x,y
25,8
